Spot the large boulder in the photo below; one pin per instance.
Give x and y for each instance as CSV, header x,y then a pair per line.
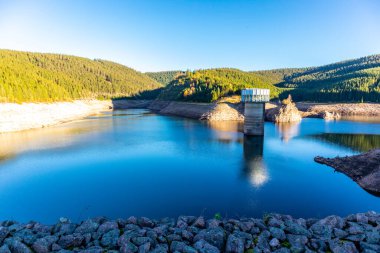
x,y
285,113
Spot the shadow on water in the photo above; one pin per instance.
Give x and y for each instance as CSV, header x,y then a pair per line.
x,y
357,142
254,168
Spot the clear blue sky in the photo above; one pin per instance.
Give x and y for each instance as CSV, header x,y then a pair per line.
x,y
165,35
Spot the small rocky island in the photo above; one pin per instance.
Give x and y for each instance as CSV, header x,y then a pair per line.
x,y
274,233
364,169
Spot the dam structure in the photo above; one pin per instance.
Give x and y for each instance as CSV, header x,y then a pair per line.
x,y
254,110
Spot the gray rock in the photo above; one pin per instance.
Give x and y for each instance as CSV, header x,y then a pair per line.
x,y
274,222
161,248
189,249
64,228
235,244
144,248
128,247
73,240
184,221
187,235
359,217
55,247
339,233
177,246
373,237
199,222
214,236
213,223
145,222
277,233
4,231
43,245
93,249
282,250
142,240
126,237
274,242
110,238
297,241
173,237
26,235
204,247
64,220
246,226
255,231
369,246
322,231
355,238
5,249
16,246
132,220
355,229
343,247
296,229
107,226
262,242
332,221
41,228
88,226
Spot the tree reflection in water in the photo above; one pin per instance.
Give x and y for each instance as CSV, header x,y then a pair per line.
x,y
254,166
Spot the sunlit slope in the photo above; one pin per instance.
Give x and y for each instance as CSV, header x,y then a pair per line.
x,y
211,84
36,77
353,80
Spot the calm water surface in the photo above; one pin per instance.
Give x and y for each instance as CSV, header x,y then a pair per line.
x,y
133,162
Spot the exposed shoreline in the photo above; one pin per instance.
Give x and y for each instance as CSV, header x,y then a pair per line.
x,y
18,117
364,169
190,234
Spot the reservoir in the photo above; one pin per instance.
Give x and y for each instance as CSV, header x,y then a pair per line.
x,y
135,162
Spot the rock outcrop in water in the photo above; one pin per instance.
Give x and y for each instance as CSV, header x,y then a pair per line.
x,y
286,113
364,169
330,115
274,233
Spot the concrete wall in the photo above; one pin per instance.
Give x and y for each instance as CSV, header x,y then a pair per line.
x,y
254,118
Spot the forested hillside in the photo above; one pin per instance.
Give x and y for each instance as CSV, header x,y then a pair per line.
x,y
212,84
348,81
165,77
353,80
31,77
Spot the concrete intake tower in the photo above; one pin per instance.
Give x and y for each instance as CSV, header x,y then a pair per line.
x,y
254,110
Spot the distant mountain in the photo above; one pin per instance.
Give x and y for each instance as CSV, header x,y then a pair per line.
x,y
165,77
32,77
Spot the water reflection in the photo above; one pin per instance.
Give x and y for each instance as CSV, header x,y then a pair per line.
x,y
357,142
288,130
227,131
254,166
60,136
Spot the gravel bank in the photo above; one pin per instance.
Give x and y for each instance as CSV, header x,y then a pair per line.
x,y
347,109
17,117
274,233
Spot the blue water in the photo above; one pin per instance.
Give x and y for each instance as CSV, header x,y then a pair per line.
x,y
133,162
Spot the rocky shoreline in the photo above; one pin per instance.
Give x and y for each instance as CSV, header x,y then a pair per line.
x,y
18,117
274,233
